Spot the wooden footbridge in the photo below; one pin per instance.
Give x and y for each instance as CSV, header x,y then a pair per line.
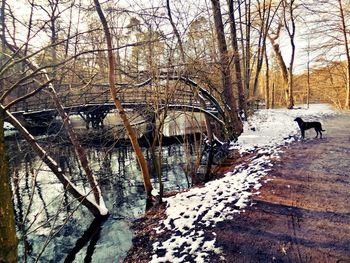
x,y
94,102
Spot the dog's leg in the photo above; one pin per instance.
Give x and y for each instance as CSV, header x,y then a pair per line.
x,y
320,135
316,133
303,134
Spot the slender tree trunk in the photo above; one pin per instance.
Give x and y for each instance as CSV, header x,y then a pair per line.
x,y
347,100
283,67
273,96
308,87
247,44
111,62
267,82
290,103
308,76
242,47
235,126
237,61
119,62
266,16
289,24
261,48
176,32
2,24
2,38
346,45
8,239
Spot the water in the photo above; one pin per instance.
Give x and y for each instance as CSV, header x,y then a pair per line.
x,y
56,228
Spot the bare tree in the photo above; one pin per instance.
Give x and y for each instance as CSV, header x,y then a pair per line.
x,y
273,36
8,239
39,76
235,126
344,30
289,24
122,114
267,82
266,14
329,46
237,60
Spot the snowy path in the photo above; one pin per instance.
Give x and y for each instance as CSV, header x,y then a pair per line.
x,y
303,213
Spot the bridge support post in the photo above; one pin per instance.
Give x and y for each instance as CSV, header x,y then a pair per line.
x,y
94,117
151,127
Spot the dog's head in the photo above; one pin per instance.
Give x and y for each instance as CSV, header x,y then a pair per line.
x,y
298,120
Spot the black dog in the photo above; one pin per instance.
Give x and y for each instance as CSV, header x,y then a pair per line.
x,y
304,125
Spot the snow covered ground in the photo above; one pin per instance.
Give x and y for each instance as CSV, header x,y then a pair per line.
x,y
189,212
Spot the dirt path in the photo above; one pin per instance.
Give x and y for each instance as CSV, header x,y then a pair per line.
x,y
303,214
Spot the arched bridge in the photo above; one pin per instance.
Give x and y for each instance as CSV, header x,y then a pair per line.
x,y
93,102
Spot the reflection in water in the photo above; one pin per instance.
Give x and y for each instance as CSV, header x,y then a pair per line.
x,y
52,225
90,237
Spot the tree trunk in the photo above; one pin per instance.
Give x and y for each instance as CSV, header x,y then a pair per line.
x,y
289,23
111,62
8,239
247,44
267,82
264,11
273,96
283,67
290,102
2,24
308,76
235,126
237,61
347,100
176,32
346,45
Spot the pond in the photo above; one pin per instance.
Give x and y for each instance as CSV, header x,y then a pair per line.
x,y
53,227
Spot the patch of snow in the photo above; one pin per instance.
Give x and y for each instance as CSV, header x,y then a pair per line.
x,y
101,207
9,129
190,212
276,127
155,192
8,126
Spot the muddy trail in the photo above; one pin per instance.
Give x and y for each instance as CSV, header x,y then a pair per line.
x,y
303,213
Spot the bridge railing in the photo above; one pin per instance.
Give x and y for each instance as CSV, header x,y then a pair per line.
x,y
42,101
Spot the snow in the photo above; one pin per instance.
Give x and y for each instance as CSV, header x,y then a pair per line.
x,y
276,127
188,213
101,207
8,126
